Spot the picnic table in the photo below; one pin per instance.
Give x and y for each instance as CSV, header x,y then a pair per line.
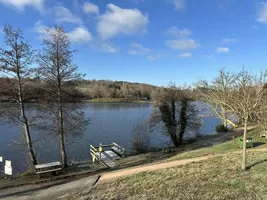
x,y
48,167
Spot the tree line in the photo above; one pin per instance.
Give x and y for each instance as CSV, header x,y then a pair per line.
x,y
84,89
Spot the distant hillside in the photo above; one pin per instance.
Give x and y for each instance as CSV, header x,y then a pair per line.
x,y
85,89
94,89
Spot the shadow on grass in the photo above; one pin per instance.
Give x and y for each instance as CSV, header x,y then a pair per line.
x,y
257,163
256,144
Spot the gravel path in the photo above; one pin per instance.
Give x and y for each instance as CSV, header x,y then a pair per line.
x,y
54,192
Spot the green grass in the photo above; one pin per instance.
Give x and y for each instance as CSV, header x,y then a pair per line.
x,y
217,178
226,147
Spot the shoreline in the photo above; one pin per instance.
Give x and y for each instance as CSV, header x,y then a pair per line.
x,y
115,100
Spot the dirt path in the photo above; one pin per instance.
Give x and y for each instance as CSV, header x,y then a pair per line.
x,y
54,192
59,192
158,166
150,167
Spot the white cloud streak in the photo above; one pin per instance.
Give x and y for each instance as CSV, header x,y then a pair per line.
x,y
21,4
178,4
64,15
185,55
80,34
108,48
262,13
183,44
117,20
181,33
90,8
138,49
222,50
41,29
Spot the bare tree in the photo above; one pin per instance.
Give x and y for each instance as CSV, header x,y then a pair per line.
x,y
248,93
243,98
174,109
59,72
16,60
216,94
140,137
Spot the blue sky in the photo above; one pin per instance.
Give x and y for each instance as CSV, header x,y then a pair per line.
x,y
150,41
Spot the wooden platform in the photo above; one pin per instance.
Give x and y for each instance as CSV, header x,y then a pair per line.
x,y
110,154
107,154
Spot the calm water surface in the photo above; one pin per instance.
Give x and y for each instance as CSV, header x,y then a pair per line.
x,y
109,122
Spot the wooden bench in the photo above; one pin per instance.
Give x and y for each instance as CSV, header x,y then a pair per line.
x,y
48,167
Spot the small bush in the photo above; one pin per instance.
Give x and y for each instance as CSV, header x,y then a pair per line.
x,y
221,128
140,138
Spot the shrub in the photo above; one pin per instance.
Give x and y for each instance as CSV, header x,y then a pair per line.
x,y
221,128
140,137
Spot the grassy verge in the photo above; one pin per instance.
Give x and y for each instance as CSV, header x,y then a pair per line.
x,y
30,178
225,147
217,178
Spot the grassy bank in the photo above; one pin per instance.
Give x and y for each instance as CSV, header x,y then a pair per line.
x,y
217,178
115,100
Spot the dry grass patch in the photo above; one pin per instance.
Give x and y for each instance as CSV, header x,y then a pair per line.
x,y
218,178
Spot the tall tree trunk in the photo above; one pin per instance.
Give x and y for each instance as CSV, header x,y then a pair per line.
x,y
62,140
244,145
61,124
173,136
224,117
183,120
174,125
25,123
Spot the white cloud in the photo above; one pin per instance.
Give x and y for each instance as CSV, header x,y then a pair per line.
x,y
262,13
65,15
90,8
80,34
182,33
138,49
185,55
21,4
222,50
157,56
154,57
108,48
229,40
117,20
183,44
41,29
178,4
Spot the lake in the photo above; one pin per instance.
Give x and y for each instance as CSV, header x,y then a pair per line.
x,y
109,122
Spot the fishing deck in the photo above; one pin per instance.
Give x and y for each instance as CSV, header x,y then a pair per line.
x,y
107,154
